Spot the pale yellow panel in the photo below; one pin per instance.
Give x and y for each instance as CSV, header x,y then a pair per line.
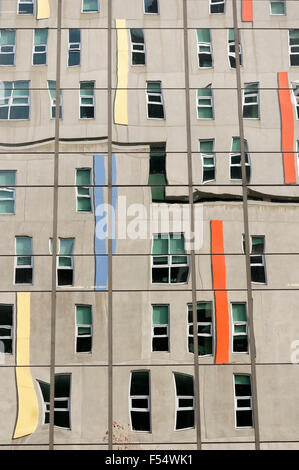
x,y
27,400
43,9
121,98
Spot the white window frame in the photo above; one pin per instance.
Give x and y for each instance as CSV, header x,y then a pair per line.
x,y
211,105
257,102
11,189
233,54
150,13
62,256
53,104
262,255
203,156
13,46
141,397
237,408
210,52
182,408
27,266
90,11
217,2
9,327
133,44
239,323
148,101
27,2
169,264
211,334
46,407
77,48
239,165
293,53
278,14
10,101
86,196
164,325
45,51
87,105
295,96
77,326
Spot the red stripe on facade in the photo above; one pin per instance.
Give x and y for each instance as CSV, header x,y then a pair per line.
x,y
247,10
287,128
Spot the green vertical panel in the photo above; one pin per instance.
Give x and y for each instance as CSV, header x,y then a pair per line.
x,y
40,36
239,312
66,246
7,37
203,35
242,379
160,314
177,245
83,315
83,176
7,178
206,146
160,246
23,245
154,87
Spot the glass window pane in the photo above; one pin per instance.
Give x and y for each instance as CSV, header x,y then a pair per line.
x,y
139,383
23,246
83,315
177,244
7,178
90,5
40,36
184,384
206,146
66,246
239,312
160,245
6,314
83,176
7,36
75,35
242,380
160,314
203,35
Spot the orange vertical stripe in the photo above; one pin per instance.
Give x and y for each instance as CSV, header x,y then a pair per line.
x,y
247,10
287,128
221,302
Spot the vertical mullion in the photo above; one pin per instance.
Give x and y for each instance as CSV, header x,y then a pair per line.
x,y
191,205
246,230
110,234
54,231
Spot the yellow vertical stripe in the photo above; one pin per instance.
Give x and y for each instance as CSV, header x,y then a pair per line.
x,y
43,9
121,98
27,400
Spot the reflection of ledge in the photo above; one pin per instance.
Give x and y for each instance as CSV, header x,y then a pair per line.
x,y
205,196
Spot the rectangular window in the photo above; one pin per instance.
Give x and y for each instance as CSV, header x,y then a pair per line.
x,y
137,47
25,7
83,191
160,328
184,386
151,6
170,262
239,328
205,103
243,401
7,46
62,400
14,100
204,328
257,258
90,6
294,47
204,48
235,160
251,101
74,47
6,329
295,88
277,7
154,99
65,262
217,6
208,160
87,100
157,173
52,92
7,191
83,328
140,401
23,261
39,54
232,49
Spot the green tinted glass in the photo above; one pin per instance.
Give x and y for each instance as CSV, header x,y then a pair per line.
x,y
83,315
239,312
160,314
23,246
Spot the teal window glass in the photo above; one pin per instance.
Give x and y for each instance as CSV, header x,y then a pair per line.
x,y
155,103
87,100
151,6
52,92
7,46
160,333
23,261
14,100
172,264
40,47
90,6
74,47
235,160
251,101
243,401
204,328
204,48
240,328
25,7
83,328
137,47
232,49
206,148
7,191
277,7
83,180
205,103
